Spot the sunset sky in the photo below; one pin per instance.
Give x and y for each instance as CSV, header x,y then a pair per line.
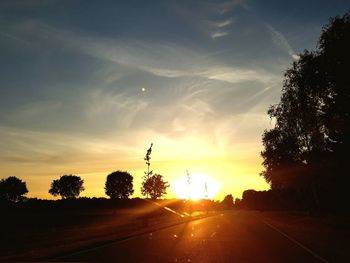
x,y
86,86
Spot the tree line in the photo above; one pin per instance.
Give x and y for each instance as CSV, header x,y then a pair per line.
x,y
119,185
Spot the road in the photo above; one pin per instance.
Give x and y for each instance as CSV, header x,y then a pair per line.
x,y
227,237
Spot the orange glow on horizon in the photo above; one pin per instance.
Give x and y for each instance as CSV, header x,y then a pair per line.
x,y
200,186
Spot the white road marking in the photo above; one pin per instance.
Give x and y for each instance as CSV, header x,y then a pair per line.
x,y
296,242
213,234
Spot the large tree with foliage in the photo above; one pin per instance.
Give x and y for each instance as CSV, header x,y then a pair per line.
x,y
119,185
308,147
12,189
68,186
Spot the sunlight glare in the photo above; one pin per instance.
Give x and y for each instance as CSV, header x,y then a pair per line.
x,y
201,187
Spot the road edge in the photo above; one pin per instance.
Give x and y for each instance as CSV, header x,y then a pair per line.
x,y
310,251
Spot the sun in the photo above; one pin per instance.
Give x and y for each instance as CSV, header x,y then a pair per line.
x,y
195,187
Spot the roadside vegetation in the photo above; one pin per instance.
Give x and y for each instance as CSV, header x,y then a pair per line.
x,y
306,153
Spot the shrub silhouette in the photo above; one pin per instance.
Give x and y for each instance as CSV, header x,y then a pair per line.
x,y
12,189
68,186
119,185
154,186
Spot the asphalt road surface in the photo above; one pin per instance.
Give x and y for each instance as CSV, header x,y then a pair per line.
x,y
228,237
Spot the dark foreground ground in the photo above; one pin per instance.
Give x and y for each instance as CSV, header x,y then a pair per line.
x,y
231,236
127,235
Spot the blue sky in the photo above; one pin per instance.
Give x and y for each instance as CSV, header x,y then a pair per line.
x,y
87,85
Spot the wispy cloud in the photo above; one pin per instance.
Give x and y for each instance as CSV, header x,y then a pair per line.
x,y
36,109
224,7
241,74
219,34
194,74
280,40
211,17
224,23
165,60
195,98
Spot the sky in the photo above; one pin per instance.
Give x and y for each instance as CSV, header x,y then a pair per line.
x,y
87,86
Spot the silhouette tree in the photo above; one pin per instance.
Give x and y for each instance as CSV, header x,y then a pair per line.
x,y
12,189
250,198
228,201
308,147
148,173
68,186
238,203
148,161
154,186
119,184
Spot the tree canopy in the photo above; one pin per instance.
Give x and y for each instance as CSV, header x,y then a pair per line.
x,y
228,201
119,184
12,189
154,186
68,186
308,146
